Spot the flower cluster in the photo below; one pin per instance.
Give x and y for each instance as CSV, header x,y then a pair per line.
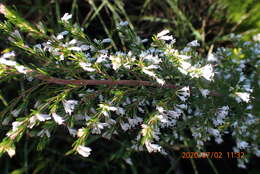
x,y
154,96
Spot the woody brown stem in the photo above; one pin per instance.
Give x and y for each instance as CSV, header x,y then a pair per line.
x,y
101,82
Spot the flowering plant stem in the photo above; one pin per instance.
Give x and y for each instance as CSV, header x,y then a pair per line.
x,y
102,82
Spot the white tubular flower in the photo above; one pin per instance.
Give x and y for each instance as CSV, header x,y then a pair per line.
x,y
107,40
32,121
116,61
135,121
120,111
194,43
43,117
75,49
44,132
163,33
148,72
66,17
58,119
174,114
152,147
218,140
166,38
112,108
182,106
73,132
256,37
73,42
8,55
145,129
242,144
83,151
207,72
151,58
162,118
60,35
184,93
97,127
123,23
212,58
184,57
152,67
69,105
107,107
16,124
7,62
204,92
214,132
160,109
129,161
86,67
17,34
244,96
125,126
15,112
10,151
160,81
85,47
21,69
163,36
221,115
6,121
80,132
184,67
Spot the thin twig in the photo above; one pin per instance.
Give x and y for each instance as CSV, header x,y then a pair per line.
x,y
102,82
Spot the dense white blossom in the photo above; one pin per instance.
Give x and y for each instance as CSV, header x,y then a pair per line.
x,y
129,111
